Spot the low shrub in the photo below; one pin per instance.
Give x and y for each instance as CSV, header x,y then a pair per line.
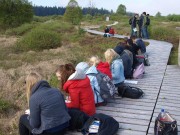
x,y
39,39
173,17
163,33
19,31
56,26
41,19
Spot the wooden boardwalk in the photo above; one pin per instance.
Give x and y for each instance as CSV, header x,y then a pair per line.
x,y
169,96
160,84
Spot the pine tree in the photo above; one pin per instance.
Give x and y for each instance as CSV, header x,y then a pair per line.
x,y
73,13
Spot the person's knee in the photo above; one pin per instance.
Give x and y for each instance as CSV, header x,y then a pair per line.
x,y
23,118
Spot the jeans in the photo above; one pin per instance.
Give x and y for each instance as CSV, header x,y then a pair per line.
x,y
145,32
25,128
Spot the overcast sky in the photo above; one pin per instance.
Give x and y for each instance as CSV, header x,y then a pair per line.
x,y
165,7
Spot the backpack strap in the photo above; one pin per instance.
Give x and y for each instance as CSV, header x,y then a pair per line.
x,y
96,92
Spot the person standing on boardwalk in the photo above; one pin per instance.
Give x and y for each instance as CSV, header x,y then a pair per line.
x,y
139,23
147,24
144,26
47,112
77,85
133,22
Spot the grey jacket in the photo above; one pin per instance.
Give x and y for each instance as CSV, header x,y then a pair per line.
x,y
47,108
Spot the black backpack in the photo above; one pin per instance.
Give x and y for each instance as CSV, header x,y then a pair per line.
x,y
147,21
107,125
130,92
78,119
130,21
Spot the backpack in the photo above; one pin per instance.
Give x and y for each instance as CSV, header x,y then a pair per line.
x,y
78,119
107,88
147,21
139,71
130,21
100,124
130,92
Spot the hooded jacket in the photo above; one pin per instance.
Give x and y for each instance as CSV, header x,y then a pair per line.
x,y
94,84
80,92
47,108
91,73
104,67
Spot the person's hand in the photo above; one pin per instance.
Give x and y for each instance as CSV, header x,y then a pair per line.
x,y
68,99
27,112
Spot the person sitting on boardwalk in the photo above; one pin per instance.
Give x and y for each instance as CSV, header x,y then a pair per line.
x,y
111,31
91,73
117,68
106,29
140,44
77,85
48,112
103,67
127,60
134,50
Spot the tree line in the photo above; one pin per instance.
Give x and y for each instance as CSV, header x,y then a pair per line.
x,y
46,11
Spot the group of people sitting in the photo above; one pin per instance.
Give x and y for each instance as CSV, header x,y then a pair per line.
x,y
49,108
109,31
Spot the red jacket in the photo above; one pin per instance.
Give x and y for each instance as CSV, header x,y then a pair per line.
x,y
81,95
111,31
104,67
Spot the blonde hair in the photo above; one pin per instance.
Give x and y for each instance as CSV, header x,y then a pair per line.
x,y
94,61
31,80
110,54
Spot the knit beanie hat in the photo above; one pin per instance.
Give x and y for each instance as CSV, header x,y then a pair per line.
x,y
118,49
83,66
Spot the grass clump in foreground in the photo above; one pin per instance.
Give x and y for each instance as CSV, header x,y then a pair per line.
x,y
5,106
38,40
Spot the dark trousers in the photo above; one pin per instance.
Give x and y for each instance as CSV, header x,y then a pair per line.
x,y
25,128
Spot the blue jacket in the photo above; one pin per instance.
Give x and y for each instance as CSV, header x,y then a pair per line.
x,y
94,83
140,43
91,73
47,108
117,70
